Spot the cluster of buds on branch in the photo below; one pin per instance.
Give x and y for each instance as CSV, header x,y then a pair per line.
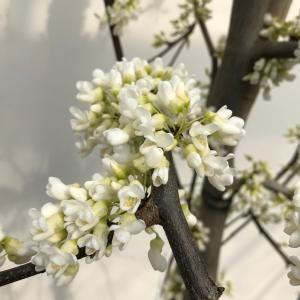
x,y
292,228
268,72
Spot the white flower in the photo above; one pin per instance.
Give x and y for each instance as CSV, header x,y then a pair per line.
x,y
79,218
222,179
113,168
47,224
157,260
294,273
128,226
81,121
95,243
160,175
130,196
292,228
116,136
87,92
230,128
100,188
172,96
17,251
154,156
57,189
199,134
190,218
61,265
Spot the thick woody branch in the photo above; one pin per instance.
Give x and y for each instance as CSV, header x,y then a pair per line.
x,y
243,46
279,49
185,250
115,39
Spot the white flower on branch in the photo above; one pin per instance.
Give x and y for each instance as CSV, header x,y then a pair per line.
x,y
130,196
157,260
128,226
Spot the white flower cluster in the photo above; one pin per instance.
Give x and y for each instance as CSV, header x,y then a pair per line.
x,y
292,228
83,217
15,250
121,13
276,28
268,207
271,72
138,111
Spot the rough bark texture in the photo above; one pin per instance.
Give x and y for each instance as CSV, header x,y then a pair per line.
x,y
185,250
244,47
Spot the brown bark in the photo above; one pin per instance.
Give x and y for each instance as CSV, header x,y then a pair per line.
x,y
243,48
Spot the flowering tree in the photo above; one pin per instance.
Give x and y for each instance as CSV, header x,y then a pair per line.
x,y
142,112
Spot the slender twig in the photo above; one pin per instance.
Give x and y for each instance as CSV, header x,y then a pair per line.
x,y
236,231
294,172
272,242
192,188
209,44
276,187
177,52
279,49
290,164
167,274
172,44
115,38
235,219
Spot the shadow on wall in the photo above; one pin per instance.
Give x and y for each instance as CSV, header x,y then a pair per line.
x,y
39,76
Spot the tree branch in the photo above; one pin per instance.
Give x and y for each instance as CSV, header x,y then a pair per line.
x,y
185,250
172,44
243,45
177,52
236,231
115,39
209,44
272,242
148,212
290,164
278,188
279,49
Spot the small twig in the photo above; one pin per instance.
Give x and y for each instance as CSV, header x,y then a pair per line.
x,y
276,187
172,44
289,165
292,175
115,39
177,52
192,188
235,219
236,231
272,242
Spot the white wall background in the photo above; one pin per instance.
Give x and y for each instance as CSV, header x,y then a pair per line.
x,y
46,46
